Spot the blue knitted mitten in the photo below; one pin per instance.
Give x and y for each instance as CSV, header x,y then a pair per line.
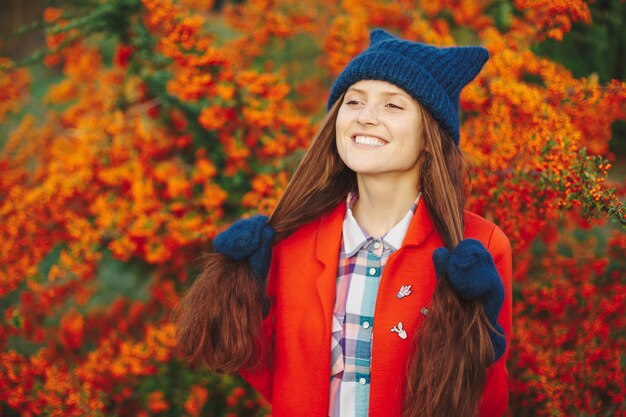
x,y
473,275
250,239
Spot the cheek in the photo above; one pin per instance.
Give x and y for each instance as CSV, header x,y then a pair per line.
x,y
412,137
413,144
338,142
341,127
342,120
340,145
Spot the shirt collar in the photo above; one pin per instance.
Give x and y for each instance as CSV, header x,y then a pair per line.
x,y
354,237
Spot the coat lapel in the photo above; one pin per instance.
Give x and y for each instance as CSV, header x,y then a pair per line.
x,y
420,228
327,251
411,264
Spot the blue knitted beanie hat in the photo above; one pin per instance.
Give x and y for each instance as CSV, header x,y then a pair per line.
x,y
431,75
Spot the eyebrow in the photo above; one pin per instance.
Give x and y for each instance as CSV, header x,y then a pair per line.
x,y
386,93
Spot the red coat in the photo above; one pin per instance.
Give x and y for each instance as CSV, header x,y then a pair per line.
x,y
302,280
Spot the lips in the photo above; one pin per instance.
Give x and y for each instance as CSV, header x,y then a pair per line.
x,y
368,140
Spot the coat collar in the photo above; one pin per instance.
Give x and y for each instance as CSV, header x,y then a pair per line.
x,y
354,236
420,228
329,234
329,231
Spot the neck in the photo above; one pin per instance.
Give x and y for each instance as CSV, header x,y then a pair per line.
x,y
383,202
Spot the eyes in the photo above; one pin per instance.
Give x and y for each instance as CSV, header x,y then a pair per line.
x,y
394,106
390,105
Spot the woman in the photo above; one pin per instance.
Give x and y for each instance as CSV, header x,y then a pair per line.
x,y
384,298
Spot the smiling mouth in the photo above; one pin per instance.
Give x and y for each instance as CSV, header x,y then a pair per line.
x,y
368,141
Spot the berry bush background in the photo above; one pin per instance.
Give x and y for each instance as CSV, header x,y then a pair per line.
x,y
144,127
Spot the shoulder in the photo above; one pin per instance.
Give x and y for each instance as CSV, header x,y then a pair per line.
x,y
491,236
302,237
325,227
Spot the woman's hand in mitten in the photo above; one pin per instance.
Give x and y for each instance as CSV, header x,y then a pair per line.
x,y
473,275
250,239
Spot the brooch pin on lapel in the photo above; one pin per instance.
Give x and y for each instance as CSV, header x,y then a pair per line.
x,y
401,332
404,291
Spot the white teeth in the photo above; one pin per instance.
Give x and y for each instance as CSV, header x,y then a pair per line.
x,y
370,141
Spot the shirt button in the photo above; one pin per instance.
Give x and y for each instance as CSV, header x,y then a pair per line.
x,y
377,245
372,271
362,381
366,324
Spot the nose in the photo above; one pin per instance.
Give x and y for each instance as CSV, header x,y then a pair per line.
x,y
367,115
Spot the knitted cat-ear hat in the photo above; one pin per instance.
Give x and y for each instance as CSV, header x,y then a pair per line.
x,y
431,75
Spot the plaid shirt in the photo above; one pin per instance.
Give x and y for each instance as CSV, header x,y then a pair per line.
x,y
361,262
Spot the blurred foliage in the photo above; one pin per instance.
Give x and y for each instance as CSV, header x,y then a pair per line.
x,y
153,124
595,49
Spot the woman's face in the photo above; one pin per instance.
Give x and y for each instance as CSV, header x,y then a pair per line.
x,y
378,129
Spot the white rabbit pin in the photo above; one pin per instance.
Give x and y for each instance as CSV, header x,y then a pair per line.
x,y
399,330
404,291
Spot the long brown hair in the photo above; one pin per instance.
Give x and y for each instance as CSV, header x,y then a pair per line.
x,y
219,320
452,349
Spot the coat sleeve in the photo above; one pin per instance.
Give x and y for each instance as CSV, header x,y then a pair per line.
x,y
495,398
262,375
